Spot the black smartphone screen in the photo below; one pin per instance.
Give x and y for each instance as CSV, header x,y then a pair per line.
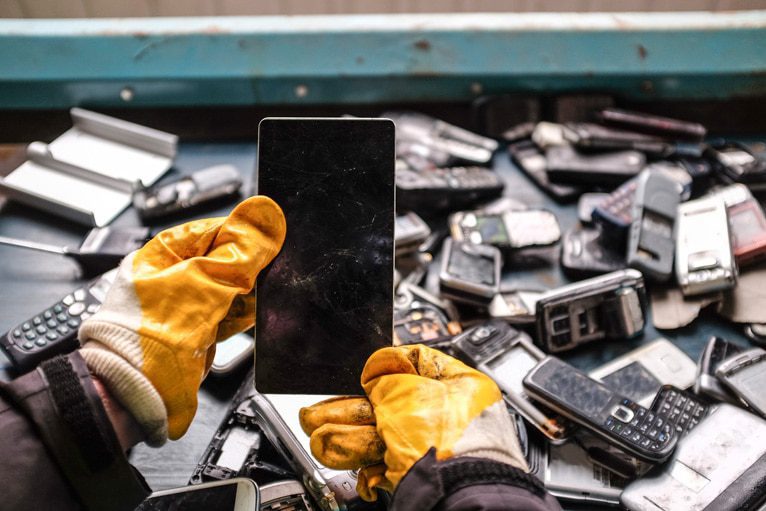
x,y
326,301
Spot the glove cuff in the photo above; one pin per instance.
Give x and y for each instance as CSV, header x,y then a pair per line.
x,y
131,388
492,435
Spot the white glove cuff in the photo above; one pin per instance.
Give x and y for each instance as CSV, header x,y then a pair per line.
x,y
131,388
492,435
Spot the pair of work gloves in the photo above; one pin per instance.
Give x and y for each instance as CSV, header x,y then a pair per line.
x,y
153,341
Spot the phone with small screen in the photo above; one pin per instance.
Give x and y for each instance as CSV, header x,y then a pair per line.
x,y
610,416
238,494
325,303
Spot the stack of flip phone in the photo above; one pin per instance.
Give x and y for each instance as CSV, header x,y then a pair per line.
x,y
666,222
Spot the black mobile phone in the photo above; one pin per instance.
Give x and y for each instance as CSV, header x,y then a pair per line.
x,y
445,189
326,301
653,124
527,156
238,494
594,137
593,405
53,331
737,163
470,273
584,252
651,244
566,165
614,214
681,410
188,192
606,307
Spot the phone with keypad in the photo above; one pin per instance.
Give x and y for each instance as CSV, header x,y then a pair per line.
x,y
610,416
680,410
53,331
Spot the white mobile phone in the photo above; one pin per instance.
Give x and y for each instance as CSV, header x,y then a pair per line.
x,y
232,352
238,494
640,373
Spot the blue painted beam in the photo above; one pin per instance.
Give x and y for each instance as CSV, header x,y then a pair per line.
x,y
368,59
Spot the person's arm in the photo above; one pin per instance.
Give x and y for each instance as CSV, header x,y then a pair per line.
x,y
58,446
432,431
462,483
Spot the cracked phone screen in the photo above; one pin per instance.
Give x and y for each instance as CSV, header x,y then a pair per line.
x,y
326,301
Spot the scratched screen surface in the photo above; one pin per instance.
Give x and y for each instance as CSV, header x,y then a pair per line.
x,y
326,301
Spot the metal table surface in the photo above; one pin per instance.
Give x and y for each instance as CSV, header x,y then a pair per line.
x,y
30,281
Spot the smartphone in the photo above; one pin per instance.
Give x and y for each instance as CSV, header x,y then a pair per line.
x,y
641,373
333,490
470,273
610,306
506,355
745,375
239,494
325,303
704,261
232,353
593,405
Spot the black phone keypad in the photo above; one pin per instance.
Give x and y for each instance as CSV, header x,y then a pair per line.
x,y
679,409
57,323
639,426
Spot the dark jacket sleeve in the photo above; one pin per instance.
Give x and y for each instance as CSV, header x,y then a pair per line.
x,y
472,484
57,446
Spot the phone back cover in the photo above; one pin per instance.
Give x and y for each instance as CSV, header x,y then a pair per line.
x,y
326,301
707,466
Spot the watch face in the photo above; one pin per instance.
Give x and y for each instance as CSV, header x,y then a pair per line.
x,y
326,301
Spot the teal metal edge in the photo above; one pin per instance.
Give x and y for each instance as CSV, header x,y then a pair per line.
x,y
370,59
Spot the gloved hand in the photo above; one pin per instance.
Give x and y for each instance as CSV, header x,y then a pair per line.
x,y
417,398
153,339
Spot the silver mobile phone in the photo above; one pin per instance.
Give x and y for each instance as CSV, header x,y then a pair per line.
x,y
745,375
506,355
704,260
509,230
610,306
285,495
470,273
231,353
333,490
639,374
238,494
409,232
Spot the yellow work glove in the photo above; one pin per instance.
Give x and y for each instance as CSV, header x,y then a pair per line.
x,y
153,339
417,398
